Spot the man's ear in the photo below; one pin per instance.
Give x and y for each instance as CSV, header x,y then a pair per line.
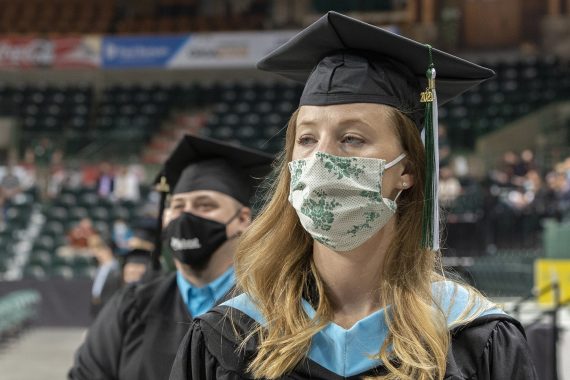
x,y
245,215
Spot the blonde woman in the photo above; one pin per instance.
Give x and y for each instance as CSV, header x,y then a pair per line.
x,y
340,272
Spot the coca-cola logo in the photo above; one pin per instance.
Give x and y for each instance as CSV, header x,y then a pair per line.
x,y
36,52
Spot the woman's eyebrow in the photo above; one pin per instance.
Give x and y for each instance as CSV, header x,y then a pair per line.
x,y
355,121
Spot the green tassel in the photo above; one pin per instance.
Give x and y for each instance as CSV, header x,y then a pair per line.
x,y
430,214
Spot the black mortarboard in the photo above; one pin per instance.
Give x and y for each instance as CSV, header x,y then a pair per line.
x,y
142,242
137,255
199,163
344,60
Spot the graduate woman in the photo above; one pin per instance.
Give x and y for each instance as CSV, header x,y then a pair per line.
x,y
340,272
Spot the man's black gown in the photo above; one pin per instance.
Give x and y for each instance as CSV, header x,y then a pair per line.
x,y
491,347
136,335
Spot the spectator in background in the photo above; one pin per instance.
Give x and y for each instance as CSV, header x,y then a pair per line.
x,y
502,175
527,161
78,240
547,203
10,183
562,186
56,181
74,177
121,236
106,180
127,184
108,276
28,166
449,187
9,187
43,152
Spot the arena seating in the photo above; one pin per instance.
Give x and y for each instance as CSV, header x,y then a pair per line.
x,y
17,214
57,16
77,17
520,87
251,113
16,310
507,273
61,215
322,6
254,115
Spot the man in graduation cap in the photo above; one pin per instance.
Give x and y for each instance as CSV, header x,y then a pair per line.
x,y
339,275
136,261
137,334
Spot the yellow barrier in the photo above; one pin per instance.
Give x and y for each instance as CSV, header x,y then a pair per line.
x,y
547,271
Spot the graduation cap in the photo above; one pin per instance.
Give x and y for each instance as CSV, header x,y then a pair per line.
x,y
199,163
342,60
141,244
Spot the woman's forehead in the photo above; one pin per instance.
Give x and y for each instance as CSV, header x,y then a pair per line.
x,y
365,113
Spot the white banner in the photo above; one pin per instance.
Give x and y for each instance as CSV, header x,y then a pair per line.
x,y
232,50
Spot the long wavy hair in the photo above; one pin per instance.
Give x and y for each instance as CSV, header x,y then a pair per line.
x,y
274,266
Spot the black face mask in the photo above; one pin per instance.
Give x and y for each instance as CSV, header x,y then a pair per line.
x,y
193,239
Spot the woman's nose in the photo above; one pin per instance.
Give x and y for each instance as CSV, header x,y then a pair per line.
x,y
328,145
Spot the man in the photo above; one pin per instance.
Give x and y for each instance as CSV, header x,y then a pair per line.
x,y
137,334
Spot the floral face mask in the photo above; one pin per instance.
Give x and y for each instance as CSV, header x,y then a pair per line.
x,y
339,199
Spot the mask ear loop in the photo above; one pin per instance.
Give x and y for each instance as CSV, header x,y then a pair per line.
x,y
237,234
398,195
392,163
234,216
395,161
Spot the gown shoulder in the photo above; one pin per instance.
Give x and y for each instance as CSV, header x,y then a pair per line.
x,y
491,347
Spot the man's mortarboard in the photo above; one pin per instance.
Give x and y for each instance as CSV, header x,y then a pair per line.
x,y
342,60
199,163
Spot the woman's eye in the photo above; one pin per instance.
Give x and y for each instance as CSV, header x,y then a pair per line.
x,y
352,140
306,140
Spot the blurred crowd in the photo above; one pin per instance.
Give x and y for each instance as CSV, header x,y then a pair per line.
x,y
516,182
504,207
44,167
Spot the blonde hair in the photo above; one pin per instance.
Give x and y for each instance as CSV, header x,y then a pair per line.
x,y
274,266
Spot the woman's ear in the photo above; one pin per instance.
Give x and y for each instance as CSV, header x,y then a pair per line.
x,y
406,181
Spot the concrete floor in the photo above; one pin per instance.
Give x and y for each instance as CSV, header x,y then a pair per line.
x,y
40,353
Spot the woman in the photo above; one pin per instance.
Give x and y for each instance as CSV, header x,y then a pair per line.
x,y
339,275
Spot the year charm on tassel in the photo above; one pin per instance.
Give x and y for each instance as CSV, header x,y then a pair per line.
x,y
427,95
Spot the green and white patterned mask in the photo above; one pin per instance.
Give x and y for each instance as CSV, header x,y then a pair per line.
x,y
339,199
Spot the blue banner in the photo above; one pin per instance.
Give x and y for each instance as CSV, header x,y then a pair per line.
x,y
140,52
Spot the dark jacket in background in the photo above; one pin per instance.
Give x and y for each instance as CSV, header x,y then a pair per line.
x,y
136,335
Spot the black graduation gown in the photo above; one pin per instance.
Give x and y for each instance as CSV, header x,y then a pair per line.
x,y
112,284
492,347
136,335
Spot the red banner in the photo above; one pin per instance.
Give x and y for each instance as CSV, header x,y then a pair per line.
x,y
33,52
